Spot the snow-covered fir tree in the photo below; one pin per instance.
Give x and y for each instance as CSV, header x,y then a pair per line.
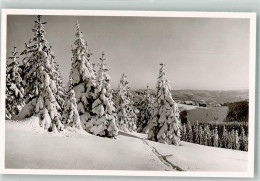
x,y
207,135
61,90
230,139
189,132
38,52
215,137
70,117
201,135
236,141
224,138
104,117
233,139
184,133
145,107
165,124
196,133
82,77
243,140
14,86
46,104
43,83
125,109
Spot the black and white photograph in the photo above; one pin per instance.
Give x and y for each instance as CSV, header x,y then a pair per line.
x,y
128,93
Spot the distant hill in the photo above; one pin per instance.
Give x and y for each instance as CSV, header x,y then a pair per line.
x,y
210,97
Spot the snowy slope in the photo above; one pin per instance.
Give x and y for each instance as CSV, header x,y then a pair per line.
x,y
194,157
29,147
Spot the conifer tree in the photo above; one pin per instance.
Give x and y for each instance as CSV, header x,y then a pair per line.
x,y
205,136
207,133
243,140
82,77
61,90
43,94
126,112
14,87
196,133
230,139
70,115
164,126
46,104
224,138
201,135
215,137
236,141
104,118
184,133
189,132
233,139
145,110
38,52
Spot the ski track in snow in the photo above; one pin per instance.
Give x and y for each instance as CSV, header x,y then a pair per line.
x,y
162,158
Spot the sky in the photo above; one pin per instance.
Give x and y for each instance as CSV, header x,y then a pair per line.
x,y
199,53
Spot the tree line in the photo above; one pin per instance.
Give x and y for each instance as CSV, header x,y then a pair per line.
x,y
223,135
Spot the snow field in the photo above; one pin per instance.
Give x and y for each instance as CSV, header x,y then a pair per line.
x,y
28,146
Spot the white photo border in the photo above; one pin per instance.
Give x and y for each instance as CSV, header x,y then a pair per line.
x,y
252,68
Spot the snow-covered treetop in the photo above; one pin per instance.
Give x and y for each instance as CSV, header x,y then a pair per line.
x,y
102,76
147,91
163,89
147,98
162,81
13,70
123,89
82,64
14,56
80,41
39,29
39,43
102,68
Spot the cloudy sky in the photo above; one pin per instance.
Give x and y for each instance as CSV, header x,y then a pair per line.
x,y
199,53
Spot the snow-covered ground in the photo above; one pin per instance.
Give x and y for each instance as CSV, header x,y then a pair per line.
x,y
29,147
26,148
194,157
